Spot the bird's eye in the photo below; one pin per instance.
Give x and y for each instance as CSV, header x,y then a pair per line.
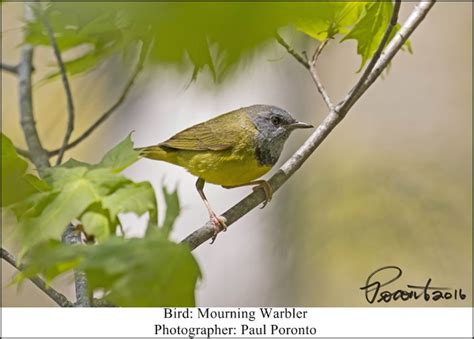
x,y
276,120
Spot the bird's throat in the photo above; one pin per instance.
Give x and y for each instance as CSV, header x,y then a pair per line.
x,y
268,151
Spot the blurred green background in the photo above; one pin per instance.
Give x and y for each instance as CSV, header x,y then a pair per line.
x,y
392,185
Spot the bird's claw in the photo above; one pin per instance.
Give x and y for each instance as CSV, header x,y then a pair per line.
x,y
219,224
267,189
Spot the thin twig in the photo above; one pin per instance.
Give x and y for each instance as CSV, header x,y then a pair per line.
x,y
104,116
312,143
113,108
13,69
315,75
57,297
310,65
23,153
391,25
38,154
301,59
67,87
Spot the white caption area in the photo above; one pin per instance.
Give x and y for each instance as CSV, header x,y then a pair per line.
x,y
328,322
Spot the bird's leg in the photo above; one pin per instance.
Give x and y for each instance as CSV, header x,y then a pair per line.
x,y
218,222
263,184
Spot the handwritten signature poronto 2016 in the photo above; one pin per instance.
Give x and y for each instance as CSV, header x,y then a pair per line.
x,y
378,279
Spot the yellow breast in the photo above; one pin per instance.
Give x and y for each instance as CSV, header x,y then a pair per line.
x,y
227,168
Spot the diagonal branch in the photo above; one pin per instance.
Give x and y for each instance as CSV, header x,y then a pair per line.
x,y
9,68
324,129
23,153
57,297
113,108
391,25
298,57
67,87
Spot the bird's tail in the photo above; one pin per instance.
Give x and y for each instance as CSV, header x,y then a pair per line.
x,y
153,152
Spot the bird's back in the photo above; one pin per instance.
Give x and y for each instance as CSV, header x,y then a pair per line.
x,y
220,150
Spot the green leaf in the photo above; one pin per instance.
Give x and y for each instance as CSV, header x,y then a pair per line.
x,y
138,198
71,163
230,34
330,19
82,64
33,205
72,200
121,156
96,224
369,30
94,193
16,183
105,180
150,271
172,210
59,177
144,272
50,258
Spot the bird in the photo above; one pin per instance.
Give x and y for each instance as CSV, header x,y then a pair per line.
x,y
232,150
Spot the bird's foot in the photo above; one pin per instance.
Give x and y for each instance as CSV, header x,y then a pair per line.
x,y
88,238
268,191
218,223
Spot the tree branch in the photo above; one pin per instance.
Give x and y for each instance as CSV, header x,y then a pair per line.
x,y
104,116
314,74
415,18
38,154
324,129
310,65
9,68
57,297
67,87
71,237
23,153
378,52
113,108
301,59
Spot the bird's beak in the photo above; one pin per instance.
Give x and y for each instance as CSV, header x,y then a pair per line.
x,y
300,124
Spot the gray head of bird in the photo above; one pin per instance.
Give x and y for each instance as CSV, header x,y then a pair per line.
x,y
274,126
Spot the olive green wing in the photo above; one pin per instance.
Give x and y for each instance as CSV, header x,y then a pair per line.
x,y
216,134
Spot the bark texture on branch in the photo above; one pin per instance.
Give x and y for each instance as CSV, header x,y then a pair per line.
x,y
37,153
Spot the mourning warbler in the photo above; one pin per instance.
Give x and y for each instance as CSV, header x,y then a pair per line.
x,y
231,150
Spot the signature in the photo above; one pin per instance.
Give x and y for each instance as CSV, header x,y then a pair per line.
x,y
375,282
